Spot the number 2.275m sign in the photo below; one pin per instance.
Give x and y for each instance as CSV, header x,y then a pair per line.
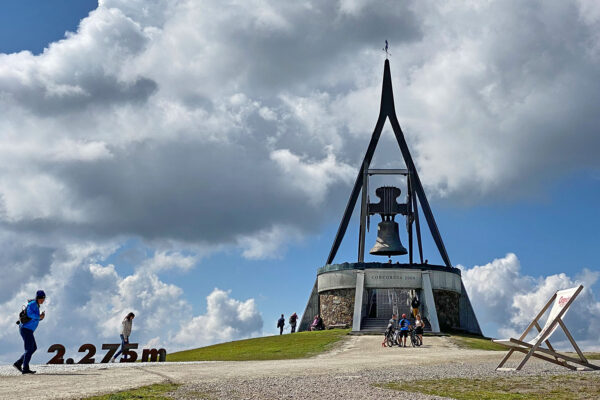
x,y
129,355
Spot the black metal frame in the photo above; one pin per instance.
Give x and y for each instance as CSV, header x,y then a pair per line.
x,y
415,194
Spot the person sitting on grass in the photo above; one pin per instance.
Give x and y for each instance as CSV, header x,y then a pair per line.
x,y
317,324
320,324
313,326
404,324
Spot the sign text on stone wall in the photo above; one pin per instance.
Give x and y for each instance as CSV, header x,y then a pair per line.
x,y
390,279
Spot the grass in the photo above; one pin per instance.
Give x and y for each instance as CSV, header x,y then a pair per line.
x,y
480,343
289,346
573,386
151,392
475,342
589,356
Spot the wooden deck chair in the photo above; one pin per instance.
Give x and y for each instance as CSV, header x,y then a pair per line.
x,y
560,301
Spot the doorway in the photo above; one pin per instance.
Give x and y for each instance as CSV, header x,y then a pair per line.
x,y
382,303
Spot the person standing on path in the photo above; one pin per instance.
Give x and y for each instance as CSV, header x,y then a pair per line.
x,y
28,323
293,319
404,325
281,324
419,325
392,328
126,326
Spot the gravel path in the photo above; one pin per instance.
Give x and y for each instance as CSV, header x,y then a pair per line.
x,y
346,372
333,386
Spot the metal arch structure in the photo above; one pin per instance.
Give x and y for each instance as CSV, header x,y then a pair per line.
x,y
416,194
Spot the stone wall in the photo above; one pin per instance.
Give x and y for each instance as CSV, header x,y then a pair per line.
x,y
446,303
312,309
337,306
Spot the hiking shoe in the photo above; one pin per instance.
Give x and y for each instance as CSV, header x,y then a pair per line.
x,y
18,366
28,371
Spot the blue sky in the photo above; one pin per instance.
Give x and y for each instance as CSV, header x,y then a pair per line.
x,y
32,25
508,169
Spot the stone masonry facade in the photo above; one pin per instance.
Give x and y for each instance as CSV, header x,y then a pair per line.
x,y
337,307
446,303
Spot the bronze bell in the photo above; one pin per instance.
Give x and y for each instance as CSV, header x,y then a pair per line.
x,y
388,240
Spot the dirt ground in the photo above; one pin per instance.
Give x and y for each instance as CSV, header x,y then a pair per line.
x,y
353,355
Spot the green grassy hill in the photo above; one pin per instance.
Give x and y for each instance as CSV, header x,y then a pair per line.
x,y
476,342
296,345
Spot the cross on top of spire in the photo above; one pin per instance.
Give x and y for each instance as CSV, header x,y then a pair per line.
x,y
386,49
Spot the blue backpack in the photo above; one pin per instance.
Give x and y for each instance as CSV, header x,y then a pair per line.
x,y
404,323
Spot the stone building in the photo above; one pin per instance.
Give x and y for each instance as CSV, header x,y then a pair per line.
x,y
384,289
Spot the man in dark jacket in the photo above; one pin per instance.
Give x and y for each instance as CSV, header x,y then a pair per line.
x,y
27,328
281,324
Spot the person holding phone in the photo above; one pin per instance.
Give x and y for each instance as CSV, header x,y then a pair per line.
x,y
126,326
27,326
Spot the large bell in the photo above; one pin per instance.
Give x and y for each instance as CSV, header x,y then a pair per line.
x,y
388,240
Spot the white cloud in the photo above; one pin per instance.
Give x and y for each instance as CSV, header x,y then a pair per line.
x,y
274,104
492,287
268,244
352,6
244,123
226,319
87,301
164,260
503,296
312,178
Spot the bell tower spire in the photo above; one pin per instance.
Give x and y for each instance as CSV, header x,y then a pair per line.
x,y
364,295
415,194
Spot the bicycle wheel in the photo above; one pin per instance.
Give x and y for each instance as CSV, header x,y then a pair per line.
x,y
389,340
414,339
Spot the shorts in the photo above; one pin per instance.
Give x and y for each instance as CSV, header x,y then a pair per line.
x,y
403,333
419,330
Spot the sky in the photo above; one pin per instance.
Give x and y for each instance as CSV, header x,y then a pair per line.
x,y
190,161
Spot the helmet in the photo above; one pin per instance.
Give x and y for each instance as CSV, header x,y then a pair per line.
x,y
403,315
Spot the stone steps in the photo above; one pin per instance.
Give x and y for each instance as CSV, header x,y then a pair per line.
x,y
373,325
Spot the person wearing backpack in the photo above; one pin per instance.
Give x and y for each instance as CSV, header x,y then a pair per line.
x,y
404,325
293,319
28,322
281,324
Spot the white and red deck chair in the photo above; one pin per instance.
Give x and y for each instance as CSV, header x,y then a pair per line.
x,y
560,301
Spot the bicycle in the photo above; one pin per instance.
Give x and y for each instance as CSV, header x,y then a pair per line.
x,y
389,337
414,338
